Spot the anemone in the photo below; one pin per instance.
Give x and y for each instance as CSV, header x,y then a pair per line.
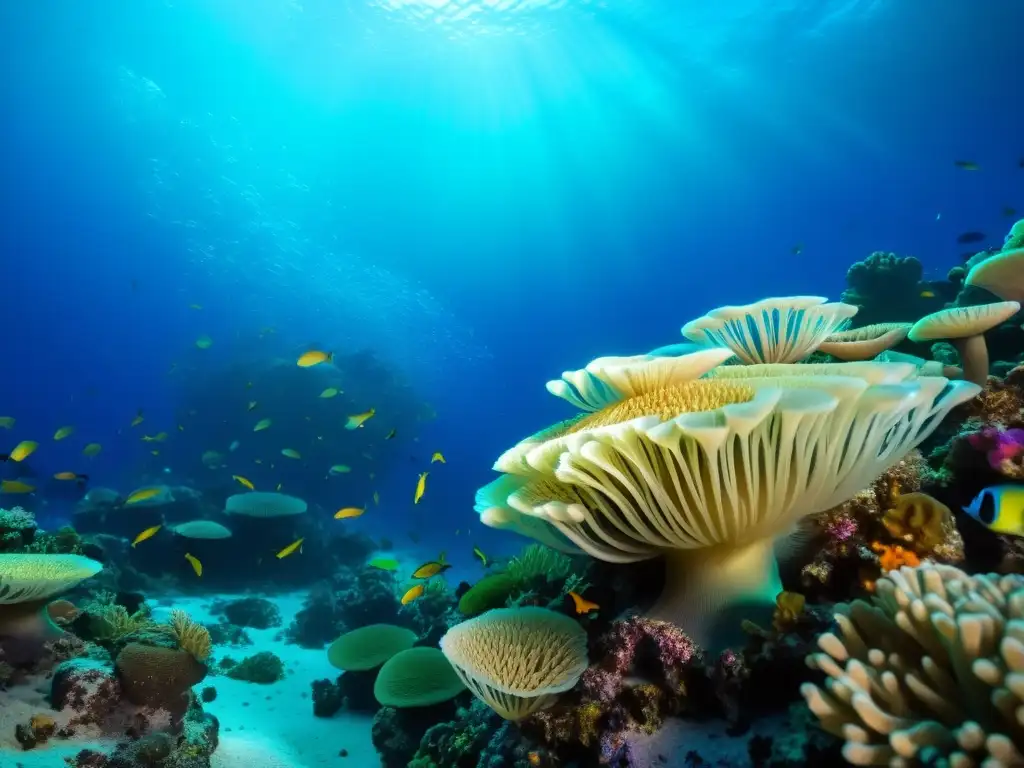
x,y
708,472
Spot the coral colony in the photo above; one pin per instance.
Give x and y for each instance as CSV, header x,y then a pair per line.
x,y
803,525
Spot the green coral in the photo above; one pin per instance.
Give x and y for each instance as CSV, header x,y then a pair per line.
x,y
263,667
110,622
63,541
537,562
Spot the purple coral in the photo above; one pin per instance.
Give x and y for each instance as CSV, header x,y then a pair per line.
x,y
841,528
1003,447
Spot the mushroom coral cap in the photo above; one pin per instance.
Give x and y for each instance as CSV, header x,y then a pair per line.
x,y
864,343
775,330
202,529
30,577
962,322
1001,274
368,647
525,652
417,677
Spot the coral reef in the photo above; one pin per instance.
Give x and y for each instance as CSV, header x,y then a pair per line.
x,y
263,667
888,288
254,612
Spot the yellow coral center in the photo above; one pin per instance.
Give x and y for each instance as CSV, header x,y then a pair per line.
x,y
667,403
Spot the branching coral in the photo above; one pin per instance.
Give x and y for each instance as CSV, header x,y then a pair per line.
x,y
927,671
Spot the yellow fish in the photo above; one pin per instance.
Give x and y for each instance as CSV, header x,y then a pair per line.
x,y
142,495
927,294
329,393
252,404
391,434
194,562
278,487
247,483
376,498
138,418
582,605
159,437
204,342
421,487
92,449
437,457
155,452
347,512
291,453
340,469
432,568
289,549
313,357
15,486
70,476
63,432
146,534
485,561
7,422
195,306
355,422
413,593
23,450
261,425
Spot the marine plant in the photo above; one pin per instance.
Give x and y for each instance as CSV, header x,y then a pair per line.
x,y
188,635
538,562
110,622
707,466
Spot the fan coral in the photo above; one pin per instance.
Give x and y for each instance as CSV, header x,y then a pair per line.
x,y
927,671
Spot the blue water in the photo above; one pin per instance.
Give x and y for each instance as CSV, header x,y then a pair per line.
x,y
481,194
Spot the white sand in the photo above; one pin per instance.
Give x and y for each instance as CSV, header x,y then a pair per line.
x,y
272,726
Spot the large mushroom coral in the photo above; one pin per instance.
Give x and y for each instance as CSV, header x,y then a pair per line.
x,y
708,472
780,330
27,583
1001,274
965,328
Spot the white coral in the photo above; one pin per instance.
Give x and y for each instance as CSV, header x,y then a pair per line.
x,y
930,671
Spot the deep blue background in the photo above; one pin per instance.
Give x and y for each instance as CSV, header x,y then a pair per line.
x,y
483,203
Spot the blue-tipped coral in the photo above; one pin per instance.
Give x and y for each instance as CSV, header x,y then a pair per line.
x,y
780,330
708,472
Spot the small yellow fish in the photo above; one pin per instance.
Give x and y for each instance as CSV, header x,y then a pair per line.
x,y
421,487
340,469
391,434
347,512
329,393
92,449
290,548
138,418
159,437
70,476
247,483
376,498
155,452
15,486
7,422
927,294
432,568
291,453
204,342
357,421
23,450
194,562
278,487
195,306
583,605
63,432
252,404
146,534
438,456
485,561
261,425
413,593
142,494
313,357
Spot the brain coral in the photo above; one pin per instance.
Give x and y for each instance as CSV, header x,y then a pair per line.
x,y
158,677
417,677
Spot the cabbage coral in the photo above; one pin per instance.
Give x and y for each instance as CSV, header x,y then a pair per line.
x,y
708,472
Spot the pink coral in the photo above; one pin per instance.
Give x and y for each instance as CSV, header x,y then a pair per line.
x,y
1003,448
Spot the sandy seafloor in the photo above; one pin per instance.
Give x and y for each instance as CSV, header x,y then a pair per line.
x,y
261,726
